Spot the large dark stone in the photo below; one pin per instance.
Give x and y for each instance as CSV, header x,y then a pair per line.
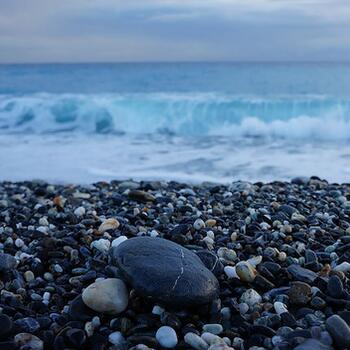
x,y
339,330
165,271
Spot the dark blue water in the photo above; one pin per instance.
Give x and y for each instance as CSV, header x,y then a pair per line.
x,y
230,78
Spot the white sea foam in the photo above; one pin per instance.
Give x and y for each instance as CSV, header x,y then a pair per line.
x,y
85,159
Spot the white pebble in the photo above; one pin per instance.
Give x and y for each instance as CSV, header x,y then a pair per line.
x,y
166,337
199,224
250,297
230,272
89,329
19,243
119,240
43,221
154,233
195,341
343,267
109,296
57,268
280,308
101,245
210,338
42,229
157,310
116,338
80,211
255,261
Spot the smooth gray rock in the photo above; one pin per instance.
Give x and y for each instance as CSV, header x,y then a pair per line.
x,y
339,330
165,271
109,296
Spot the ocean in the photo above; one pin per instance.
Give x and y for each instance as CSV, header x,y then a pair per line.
x,y
193,122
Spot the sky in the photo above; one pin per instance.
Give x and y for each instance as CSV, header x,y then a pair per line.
x,y
174,30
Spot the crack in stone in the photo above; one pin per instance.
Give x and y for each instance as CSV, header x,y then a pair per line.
x,y
181,272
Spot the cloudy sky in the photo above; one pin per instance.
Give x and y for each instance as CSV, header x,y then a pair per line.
x,y
174,30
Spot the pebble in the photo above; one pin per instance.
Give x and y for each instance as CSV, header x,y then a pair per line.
x,y
230,272
28,341
213,328
109,296
27,324
339,330
79,212
116,338
245,271
301,274
199,224
300,293
166,337
250,297
279,307
108,224
29,276
7,262
195,341
118,240
335,287
101,245
343,267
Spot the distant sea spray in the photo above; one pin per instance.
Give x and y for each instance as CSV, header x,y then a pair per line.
x,y
315,117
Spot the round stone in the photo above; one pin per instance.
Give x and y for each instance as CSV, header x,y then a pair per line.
x,y
195,341
166,337
7,262
109,224
339,330
246,271
165,271
250,297
116,338
300,293
109,296
335,287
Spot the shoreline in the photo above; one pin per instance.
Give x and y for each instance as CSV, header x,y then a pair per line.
x,y
276,255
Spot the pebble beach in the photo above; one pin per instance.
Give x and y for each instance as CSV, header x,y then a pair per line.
x,y
165,265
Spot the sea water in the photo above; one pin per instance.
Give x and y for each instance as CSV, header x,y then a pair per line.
x,y
175,121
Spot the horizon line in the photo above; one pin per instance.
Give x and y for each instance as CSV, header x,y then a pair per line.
x,y
180,62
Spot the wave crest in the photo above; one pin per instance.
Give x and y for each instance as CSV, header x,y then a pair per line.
x,y
197,114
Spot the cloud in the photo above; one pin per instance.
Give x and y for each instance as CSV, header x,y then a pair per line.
x,y
171,30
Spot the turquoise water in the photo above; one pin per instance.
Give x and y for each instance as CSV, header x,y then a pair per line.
x,y
209,111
